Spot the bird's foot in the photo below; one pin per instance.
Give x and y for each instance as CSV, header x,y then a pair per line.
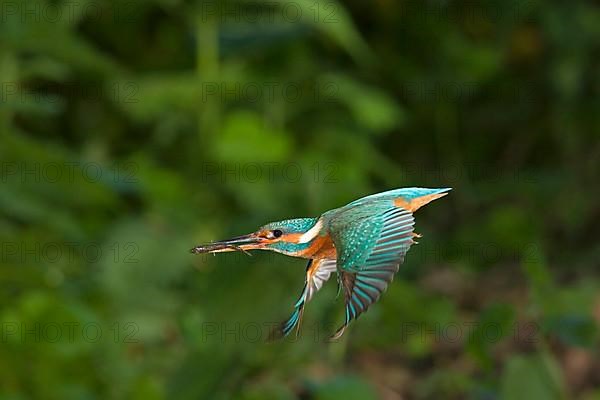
x,y
416,235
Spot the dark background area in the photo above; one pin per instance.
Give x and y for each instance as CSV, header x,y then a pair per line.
x,y
131,131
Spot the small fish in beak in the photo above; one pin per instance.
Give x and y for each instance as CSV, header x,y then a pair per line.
x,y
251,241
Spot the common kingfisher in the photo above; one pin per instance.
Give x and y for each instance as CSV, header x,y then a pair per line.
x,y
364,242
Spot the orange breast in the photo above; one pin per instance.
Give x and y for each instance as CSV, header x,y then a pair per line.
x,y
321,247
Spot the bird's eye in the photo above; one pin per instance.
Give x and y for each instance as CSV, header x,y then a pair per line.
x,y
277,232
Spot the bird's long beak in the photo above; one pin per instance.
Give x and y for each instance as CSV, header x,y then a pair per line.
x,y
239,243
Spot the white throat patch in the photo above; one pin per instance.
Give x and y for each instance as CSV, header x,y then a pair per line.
x,y
311,233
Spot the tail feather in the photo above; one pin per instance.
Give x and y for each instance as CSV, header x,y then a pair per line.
x,y
287,326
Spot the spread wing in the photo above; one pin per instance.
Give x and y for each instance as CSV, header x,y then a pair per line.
x,y
317,273
371,241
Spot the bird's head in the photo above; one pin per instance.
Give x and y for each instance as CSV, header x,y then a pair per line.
x,y
290,237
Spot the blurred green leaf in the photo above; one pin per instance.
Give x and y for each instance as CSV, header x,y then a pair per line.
x,y
242,142
345,387
532,377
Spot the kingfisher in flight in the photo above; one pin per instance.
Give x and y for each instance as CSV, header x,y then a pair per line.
x,y
364,242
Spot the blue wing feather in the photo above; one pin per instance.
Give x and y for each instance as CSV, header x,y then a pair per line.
x,y
314,281
370,250
406,193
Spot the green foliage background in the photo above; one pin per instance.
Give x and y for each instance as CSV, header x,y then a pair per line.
x,y
131,131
